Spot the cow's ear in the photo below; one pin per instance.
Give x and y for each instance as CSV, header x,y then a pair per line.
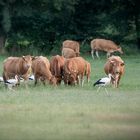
x,y
122,64
23,57
33,57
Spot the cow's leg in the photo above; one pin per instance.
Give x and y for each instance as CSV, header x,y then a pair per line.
x,y
44,83
97,54
108,54
82,80
88,77
118,81
36,79
78,80
115,84
92,53
18,80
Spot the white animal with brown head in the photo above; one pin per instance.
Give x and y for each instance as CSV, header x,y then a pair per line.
x,y
104,45
74,45
115,66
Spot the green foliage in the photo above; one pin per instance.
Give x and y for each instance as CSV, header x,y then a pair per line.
x,y
44,22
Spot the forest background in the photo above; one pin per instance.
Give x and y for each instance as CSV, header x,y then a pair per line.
x,y
39,26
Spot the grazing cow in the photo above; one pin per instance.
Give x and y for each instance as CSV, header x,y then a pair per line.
x,y
56,67
74,71
68,53
19,66
41,70
104,45
74,45
88,71
115,66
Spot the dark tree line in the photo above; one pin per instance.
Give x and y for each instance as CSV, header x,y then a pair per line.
x,y
41,25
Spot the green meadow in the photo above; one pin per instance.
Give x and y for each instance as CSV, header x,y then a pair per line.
x,y
74,112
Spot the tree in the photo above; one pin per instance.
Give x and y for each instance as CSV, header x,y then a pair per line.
x,y
5,23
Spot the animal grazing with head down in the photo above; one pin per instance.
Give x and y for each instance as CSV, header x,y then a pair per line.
x,y
74,45
41,70
104,45
19,66
56,67
115,65
74,71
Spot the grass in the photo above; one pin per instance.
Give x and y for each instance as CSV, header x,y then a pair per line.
x,y
74,113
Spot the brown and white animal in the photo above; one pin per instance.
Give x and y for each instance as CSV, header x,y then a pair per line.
x,y
68,53
56,67
74,45
88,71
104,45
74,71
41,70
115,66
19,66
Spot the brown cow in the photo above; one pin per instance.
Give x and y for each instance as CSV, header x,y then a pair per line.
x,y
68,53
19,66
74,70
56,67
74,45
41,70
104,45
115,66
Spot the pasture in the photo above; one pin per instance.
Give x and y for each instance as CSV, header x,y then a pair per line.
x,y
74,113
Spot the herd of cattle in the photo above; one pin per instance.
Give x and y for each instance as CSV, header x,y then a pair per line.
x,y
70,67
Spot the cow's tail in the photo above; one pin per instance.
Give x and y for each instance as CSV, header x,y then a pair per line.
x,y
57,71
88,70
66,67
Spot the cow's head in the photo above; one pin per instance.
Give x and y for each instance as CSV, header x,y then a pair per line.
x,y
70,78
116,67
77,54
120,50
53,80
27,61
